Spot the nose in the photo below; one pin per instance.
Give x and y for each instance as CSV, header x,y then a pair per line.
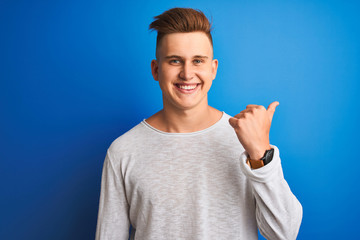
x,y
187,72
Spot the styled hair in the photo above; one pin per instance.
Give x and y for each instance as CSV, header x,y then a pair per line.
x,y
180,20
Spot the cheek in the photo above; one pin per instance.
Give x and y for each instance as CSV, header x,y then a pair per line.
x,y
167,74
205,74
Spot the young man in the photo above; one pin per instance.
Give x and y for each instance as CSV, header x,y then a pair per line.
x,y
191,171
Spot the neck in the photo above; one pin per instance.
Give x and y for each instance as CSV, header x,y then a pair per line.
x,y
188,120
176,120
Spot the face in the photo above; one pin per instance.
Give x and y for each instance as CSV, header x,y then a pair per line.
x,y
185,69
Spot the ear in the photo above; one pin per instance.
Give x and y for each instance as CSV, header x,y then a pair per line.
x,y
214,67
154,69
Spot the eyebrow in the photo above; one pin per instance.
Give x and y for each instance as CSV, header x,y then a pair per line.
x,y
176,56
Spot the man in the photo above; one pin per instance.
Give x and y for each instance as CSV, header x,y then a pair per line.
x,y
191,171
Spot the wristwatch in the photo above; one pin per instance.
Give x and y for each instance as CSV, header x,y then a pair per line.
x,y
268,156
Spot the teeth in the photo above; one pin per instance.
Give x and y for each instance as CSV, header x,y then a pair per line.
x,y
187,87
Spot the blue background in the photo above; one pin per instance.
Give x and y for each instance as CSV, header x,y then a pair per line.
x,y
76,74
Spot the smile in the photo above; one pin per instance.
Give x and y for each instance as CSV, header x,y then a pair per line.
x,y
187,88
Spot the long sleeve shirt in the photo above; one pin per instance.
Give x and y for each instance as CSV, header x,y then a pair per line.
x,y
192,186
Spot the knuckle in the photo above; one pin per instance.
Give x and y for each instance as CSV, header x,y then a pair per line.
x,y
246,115
240,124
261,107
235,121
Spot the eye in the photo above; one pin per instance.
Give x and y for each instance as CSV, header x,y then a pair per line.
x,y
198,61
174,61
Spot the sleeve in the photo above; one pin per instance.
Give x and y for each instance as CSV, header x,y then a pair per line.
x,y
113,221
278,212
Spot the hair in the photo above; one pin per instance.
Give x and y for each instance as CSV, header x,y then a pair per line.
x,y
180,20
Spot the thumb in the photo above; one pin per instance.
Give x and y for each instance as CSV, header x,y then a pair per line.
x,y
271,109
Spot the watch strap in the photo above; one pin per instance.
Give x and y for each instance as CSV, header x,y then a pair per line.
x,y
255,164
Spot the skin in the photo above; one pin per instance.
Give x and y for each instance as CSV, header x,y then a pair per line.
x,y
187,59
184,58
252,127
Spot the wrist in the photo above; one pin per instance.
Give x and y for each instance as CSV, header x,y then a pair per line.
x,y
267,157
257,155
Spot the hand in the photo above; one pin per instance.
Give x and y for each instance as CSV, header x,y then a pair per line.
x,y
252,127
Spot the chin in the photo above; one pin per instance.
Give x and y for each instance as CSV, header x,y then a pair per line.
x,y
188,106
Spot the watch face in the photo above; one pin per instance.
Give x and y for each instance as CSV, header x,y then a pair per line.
x,y
268,156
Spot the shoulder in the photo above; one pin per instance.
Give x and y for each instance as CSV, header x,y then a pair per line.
x,y
226,116
127,141
224,122
223,131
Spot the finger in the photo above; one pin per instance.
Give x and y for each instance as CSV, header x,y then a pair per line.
x,y
271,109
251,106
239,115
257,107
233,122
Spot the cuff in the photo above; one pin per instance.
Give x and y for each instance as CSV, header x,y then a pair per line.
x,y
264,173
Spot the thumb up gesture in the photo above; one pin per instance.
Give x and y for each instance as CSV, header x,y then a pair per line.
x,y
252,127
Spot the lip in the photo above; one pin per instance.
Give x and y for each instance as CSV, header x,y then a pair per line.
x,y
187,91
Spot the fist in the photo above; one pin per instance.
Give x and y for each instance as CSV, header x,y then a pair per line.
x,y
252,127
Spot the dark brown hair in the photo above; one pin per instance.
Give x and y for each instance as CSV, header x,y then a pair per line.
x,y
180,20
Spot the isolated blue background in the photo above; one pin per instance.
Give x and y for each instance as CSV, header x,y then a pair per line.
x,y
76,74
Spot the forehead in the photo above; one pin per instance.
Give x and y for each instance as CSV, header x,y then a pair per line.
x,y
185,44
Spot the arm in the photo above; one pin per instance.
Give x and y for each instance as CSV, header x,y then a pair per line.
x,y
113,221
278,212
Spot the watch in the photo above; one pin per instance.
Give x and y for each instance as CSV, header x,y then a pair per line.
x,y
268,156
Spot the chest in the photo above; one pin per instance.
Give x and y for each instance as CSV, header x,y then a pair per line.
x,y
184,174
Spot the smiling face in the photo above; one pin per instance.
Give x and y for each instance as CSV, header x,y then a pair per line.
x,y
185,69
